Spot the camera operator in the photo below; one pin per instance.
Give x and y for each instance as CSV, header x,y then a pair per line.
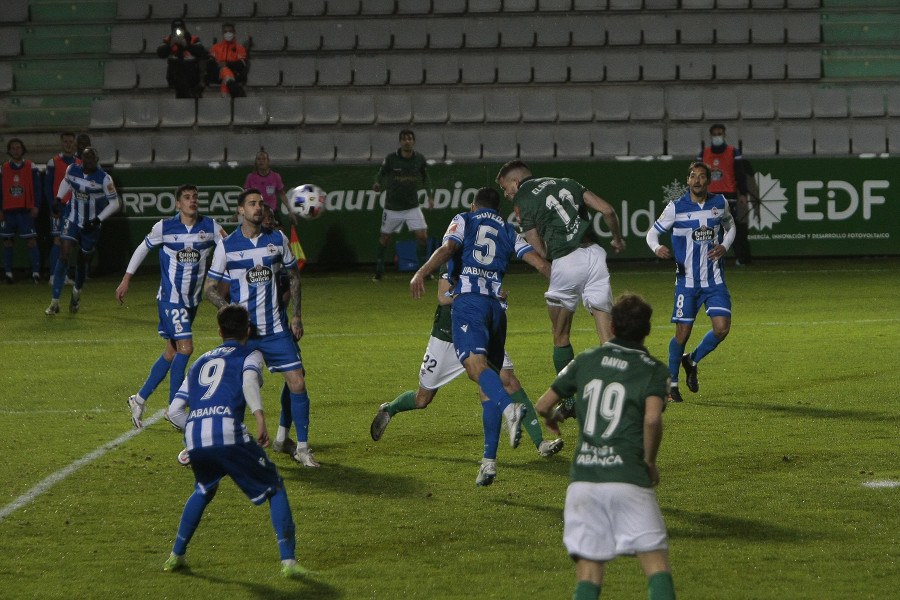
x,y
184,53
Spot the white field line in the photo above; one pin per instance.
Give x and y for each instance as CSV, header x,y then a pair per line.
x,y
58,476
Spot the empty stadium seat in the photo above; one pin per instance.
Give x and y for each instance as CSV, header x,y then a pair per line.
x,y
430,143
370,70
830,102
342,7
488,6
409,34
623,30
6,77
647,104
892,99
732,65
337,35
393,108
695,65
285,110
502,107
660,66
334,70
298,71
281,146
386,7
107,114
684,141
234,9
868,137
166,9
357,109
720,104
430,108
352,147
376,36
275,8
135,149
207,148
105,145
242,147
321,109
572,142
466,107
475,68
308,8
731,28
757,103
767,28
462,144
177,112
645,141
867,102
582,69
119,75
514,68
442,7
611,104
535,144
609,141
684,104
126,39
213,112
406,69
141,113
550,68
204,9
575,104
300,36
482,33
500,144
151,73
250,111
758,140
588,30
445,33
266,36
538,106
316,147
795,139
832,139
659,29
169,150
793,103
264,71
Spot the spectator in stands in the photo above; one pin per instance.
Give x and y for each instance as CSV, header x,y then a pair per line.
x,y
728,179
227,64
184,53
20,201
269,183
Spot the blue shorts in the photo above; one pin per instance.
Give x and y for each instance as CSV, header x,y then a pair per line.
x,y
72,231
689,300
248,465
479,327
18,222
175,321
280,351
55,226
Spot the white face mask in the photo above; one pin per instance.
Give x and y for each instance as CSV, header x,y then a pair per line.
x,y
718,140
228,35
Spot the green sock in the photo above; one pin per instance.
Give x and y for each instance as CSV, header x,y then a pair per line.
x,y
380,251
660,586
402,403
530,421
421,253
586,590
562,357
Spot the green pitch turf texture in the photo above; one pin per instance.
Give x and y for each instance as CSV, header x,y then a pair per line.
x,y
763,471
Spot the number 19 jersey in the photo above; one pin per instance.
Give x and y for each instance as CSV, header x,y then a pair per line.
x,y
612,383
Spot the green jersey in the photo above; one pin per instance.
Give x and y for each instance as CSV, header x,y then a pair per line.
x,y
556,209
612,382
443,324
402,178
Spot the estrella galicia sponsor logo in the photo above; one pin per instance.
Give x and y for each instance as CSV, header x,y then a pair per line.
x,y
704,234
188,256
259,276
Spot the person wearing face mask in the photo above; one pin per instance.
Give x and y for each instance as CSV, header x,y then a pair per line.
x,y
728,178
228,64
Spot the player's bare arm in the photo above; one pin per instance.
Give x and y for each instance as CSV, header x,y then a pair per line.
x,y
544,407
439,257
609,217
537,261
213,293
296,320
653,430
123,288
537,242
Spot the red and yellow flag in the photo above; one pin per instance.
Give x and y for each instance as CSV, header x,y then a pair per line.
x,y
297,249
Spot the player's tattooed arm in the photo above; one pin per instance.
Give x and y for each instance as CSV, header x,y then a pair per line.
x,y
296,320
213,294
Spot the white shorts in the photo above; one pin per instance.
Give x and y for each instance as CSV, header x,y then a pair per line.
x,y
440,365
392,221
580,275
605,520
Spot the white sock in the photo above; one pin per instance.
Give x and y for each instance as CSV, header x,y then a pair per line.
x,y
303,446
282,434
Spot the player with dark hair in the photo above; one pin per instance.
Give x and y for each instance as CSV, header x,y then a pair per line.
x,y
402,174
219,388
20,202
440,366
56,172
485,242
94,199
553,213
611,508
702,230
250,261
185,243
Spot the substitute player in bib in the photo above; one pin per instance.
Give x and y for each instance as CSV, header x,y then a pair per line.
x,y
402,174
485,242
94,199
185,243
611,508
555,220
440,366
250,261
219,388
20,202
702,230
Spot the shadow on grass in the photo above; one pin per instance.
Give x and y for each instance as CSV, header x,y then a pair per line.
x,y
802,410
307,588
703,525
349,480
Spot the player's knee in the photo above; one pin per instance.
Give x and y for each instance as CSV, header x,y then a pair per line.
x,y
721,331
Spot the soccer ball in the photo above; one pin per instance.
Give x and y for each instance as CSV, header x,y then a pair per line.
x,y
307,201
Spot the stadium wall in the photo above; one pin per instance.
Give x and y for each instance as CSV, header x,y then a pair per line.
x,y
808,207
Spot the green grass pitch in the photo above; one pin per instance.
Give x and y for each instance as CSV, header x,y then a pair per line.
x,y
763,470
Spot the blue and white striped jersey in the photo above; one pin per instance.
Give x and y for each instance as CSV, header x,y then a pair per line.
x,y
251,268
214,392
488,241
90,194
696,228
183,256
